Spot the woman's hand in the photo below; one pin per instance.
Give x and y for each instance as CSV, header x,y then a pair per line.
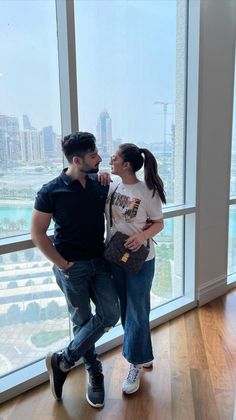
x,y
134,242
104,178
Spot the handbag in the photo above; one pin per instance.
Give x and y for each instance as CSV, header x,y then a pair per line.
x,y
115,251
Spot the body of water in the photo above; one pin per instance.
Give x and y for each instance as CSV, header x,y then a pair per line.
x,y
13,214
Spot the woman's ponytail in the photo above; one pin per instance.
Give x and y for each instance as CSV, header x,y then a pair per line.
x,y
151,177
133,154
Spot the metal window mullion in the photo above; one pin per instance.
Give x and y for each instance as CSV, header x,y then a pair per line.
x,y
190,234
67,65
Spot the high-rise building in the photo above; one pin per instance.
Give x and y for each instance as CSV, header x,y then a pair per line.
x,y
49,142
4,156
9,140
58,148
26,123
104,132
31,146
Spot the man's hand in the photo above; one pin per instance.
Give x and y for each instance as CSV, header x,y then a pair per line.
x,y
104,178
66,266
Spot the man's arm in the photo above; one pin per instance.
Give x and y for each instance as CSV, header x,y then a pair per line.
x,y
39,226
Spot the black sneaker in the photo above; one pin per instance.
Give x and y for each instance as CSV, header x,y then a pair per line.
x,y
95,394
56,375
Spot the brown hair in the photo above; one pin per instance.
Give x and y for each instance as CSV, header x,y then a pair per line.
x,y
134,155
78,144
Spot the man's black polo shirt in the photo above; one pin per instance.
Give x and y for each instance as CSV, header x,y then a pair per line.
x,y
78,214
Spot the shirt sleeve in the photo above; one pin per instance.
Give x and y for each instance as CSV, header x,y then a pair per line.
x,y
43,201
154,206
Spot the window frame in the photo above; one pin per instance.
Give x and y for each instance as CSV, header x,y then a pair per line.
x,y
35,374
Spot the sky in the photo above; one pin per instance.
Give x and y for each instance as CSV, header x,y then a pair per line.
x,y
126,60
29,62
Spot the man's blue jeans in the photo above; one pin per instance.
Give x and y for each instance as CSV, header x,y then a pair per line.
x,y
85,280
134,293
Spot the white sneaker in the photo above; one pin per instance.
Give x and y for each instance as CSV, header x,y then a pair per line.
x,y
132,382
148,365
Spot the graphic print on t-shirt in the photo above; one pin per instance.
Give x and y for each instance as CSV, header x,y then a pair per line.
x,y
124,206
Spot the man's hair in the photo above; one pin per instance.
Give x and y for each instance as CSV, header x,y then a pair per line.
x,y
78,144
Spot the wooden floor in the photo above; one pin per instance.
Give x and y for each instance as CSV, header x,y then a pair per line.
x,y
194,376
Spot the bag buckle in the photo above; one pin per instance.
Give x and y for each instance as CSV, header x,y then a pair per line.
x,y
125,257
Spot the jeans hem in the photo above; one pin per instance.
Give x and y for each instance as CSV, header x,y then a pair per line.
x,y
149,359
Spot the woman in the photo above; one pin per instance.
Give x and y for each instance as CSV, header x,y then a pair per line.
x,y
133,202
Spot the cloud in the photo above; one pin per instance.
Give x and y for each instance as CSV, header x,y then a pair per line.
x,y
1,74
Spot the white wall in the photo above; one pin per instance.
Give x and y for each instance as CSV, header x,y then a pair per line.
x,y
216,76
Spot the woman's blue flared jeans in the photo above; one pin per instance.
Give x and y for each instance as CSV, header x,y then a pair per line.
x,y
134,293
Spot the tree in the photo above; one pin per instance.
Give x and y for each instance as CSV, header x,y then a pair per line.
x,y
14,257
14,314
47,264
48,280
53,310
43,314
21,223
13,226
6,223
3,319
29,283
29,254
64,312
32,312
12,285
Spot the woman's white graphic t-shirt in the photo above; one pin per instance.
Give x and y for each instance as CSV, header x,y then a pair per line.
x,y
131,206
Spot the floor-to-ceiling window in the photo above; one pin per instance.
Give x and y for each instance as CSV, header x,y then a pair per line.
x,y
33,315
132,62
131,78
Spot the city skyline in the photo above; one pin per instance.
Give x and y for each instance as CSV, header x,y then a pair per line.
x,y
31,145
128,83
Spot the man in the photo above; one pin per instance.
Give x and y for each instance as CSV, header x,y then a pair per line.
x,y
76,204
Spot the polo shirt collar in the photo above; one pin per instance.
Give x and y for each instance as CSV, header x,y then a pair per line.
x,y
68,180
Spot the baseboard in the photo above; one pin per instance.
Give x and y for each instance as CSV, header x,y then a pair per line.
x,y
212,289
